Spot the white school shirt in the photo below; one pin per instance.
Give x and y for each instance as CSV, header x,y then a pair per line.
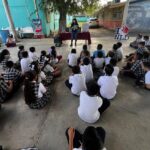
x,y
147,78
33,56
25,65
107,60
99,62
48,68
108,86
87,71
78,83
72,59
41,90
116,71
88,108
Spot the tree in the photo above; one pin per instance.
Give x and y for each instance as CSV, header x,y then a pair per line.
x,y
65,7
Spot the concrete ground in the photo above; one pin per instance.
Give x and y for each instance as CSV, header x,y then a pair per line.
x,y
126,122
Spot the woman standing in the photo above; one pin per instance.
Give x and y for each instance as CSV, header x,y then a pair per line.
x,y
74,31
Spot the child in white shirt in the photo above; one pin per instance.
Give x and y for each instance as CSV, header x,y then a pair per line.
x,y
109,56
32,54
108,83
86,69
76,81
113,62
120,51
99,61
72,58
91,105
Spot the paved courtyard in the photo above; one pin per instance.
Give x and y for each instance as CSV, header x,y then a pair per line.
x,y
126,122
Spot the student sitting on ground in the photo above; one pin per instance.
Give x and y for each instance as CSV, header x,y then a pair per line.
x,y
12,74
10,42
146,67
86,69
38,96
99,49
109,56
147,42
21,49
99,61
4,57
113,62
76,82
91,105
117,53
43,58
92,139
135,43
6,89
32,54
72,58
108,83
120,51
55,58
25,62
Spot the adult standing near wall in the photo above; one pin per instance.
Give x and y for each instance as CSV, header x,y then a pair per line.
x,y
74,31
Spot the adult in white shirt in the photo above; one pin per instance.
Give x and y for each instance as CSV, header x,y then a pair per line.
x,y
76,81
25,62
146,67
108,83
99,61
91,106
86,69
92,138
32,54
72,58
113,62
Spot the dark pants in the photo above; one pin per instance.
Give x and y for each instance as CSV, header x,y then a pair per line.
x,y
68,84
105,105
78,137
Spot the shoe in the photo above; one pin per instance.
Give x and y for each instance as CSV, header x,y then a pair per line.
x,y
71,45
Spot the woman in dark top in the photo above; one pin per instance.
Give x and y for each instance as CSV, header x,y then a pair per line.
x,y
74,31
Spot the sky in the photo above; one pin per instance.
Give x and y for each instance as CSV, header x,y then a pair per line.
x,y
103,2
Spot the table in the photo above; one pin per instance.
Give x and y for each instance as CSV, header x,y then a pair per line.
x,y
81,36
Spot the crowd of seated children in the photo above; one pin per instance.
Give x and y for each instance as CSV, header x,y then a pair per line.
x,y
92,138
39,95
76,82
10,42
72,58
4,57
135,43
91,105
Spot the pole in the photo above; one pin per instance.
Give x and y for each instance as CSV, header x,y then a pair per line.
x,y
36,8
10,20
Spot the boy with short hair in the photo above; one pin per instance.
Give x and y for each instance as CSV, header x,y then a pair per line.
x,y
21,49
32,54
108,83
72,58
76,81
113,62
99,49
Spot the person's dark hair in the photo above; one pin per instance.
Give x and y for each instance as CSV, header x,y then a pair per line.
x,y
9,64
25,54
140,36
53,52
115,47
119,44
35,67
29,92
43,54
113,62
99,46
146,54
146,37
32,49
86,53
10,36
146,64
21,47
92,88
76,69
86,61
76,22
91,140
3,54
109,69
142,43
111,54
99,54
73,51
85,48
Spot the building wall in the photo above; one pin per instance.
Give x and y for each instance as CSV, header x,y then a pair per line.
x,y
22,12
111,18
138,17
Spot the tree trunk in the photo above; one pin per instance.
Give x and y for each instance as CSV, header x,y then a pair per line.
x,y
62,21
9,17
